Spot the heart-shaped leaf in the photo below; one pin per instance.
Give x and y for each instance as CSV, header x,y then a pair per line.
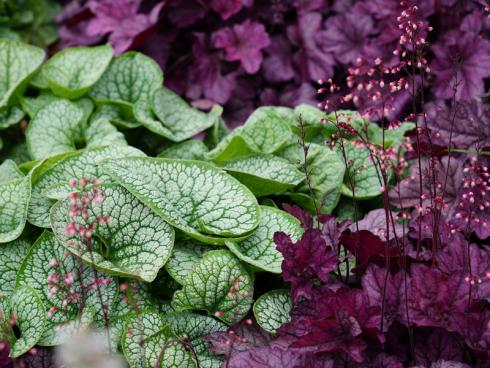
x,y
31,105
219,284
264,174
53,177
185,255
265,131
315,128
135,243
116,115
194,327
271,310
18,62
101,133
362,173
149,342
192,149
71,72
326,170
259,248
177,120
47,258
11,256
15,191
130,78
195,197
10,116
28,310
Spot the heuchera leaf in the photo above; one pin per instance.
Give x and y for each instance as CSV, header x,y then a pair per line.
x,y
30,314
15,191
271,310
11,256
264,174
185,255
259,249
54,176
193,196
144,338
219,284
34,272
18,62
177,120
194,327
130,78
135,243
71,72
192,149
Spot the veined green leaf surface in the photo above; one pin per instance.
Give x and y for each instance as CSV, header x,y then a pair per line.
x,y
135,243
259,248
271,310
192,149
186,253
11,256
193,196
71,72
219,284
10,116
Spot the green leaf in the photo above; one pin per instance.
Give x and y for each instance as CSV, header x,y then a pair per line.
x,y
54,129
130,78
194,327
185,255
177,120
14,202
71,72
135,243
34,272
31,105
367,183
18,62
148,340
264,174
116,116
259,248
272,309
31,316
10,116
102,133
326,169
192,149
193,196
265,131
314,127
9,171
38,81
54,175
219,284
11,256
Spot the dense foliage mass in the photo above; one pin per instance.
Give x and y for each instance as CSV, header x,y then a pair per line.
x,y
137,230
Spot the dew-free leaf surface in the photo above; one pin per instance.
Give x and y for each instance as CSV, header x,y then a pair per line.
x,y
11,256
192,149
271,310
135,243
218,284
185,255
193,196
259,248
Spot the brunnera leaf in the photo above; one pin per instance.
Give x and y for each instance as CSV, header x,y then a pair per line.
x,y
186,253
71,72
116,115
259,248
193,149
11,256
218,284
136,242
271,310
51,180
195,197
194,327
18,62
15,192
26,306
148,341
130,78
10,116
48,257
264,174
176,120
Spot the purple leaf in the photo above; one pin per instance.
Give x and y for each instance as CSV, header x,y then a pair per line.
x,y
267,357
228,8
244,42
440,344
375,222
303,216
278,64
